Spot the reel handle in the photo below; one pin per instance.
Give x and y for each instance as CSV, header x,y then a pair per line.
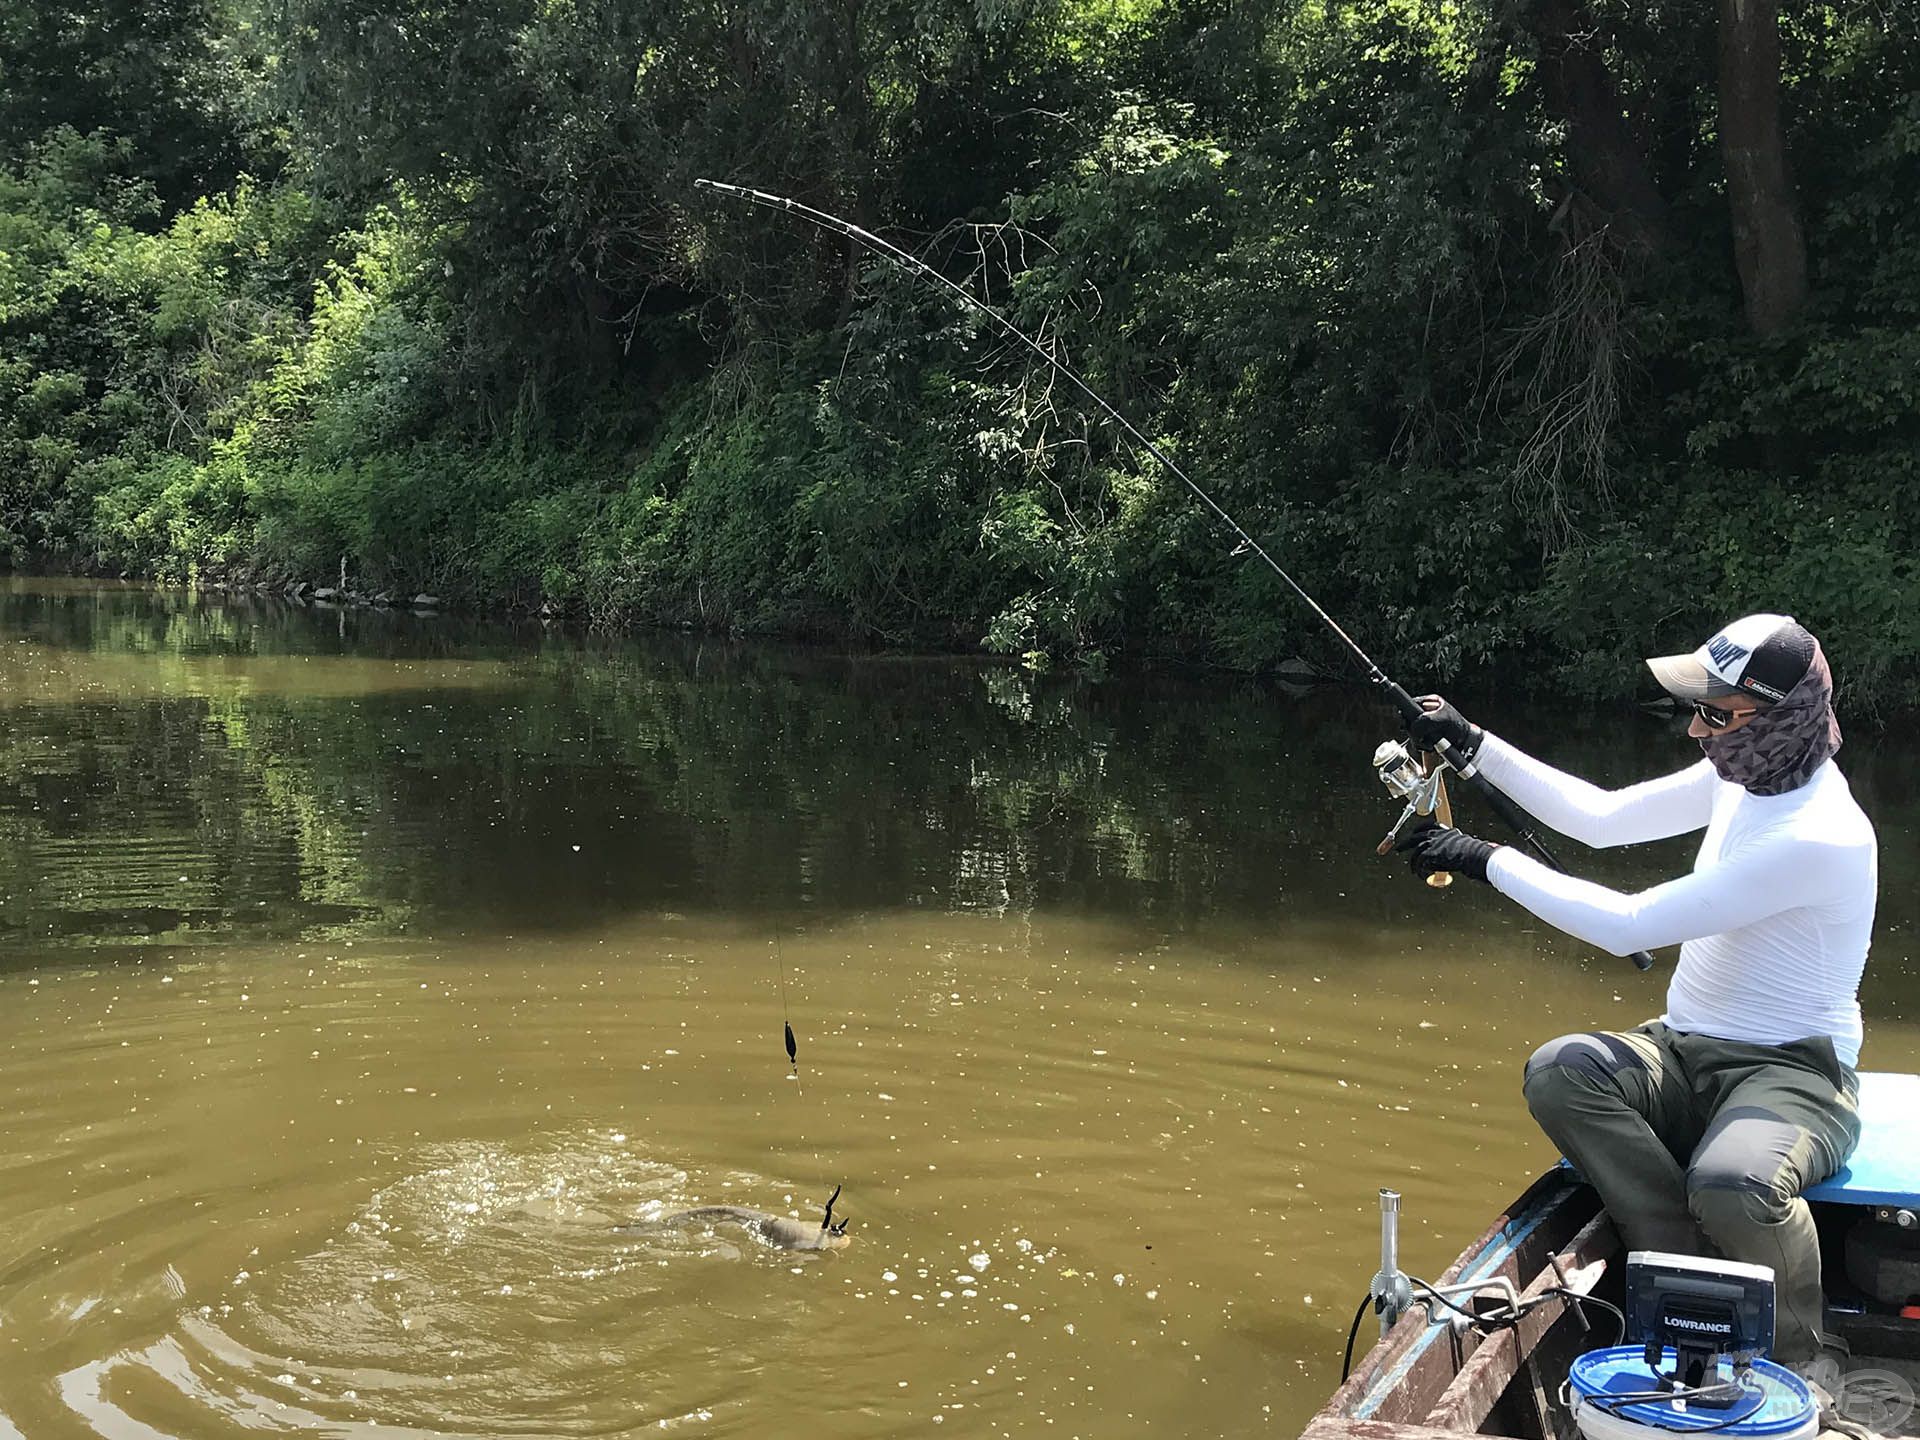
x,y
1502,805
1443,812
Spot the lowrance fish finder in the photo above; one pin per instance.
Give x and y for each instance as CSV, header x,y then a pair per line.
x,y
1703,1310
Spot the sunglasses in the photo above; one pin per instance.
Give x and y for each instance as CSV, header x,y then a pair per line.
x,y
1715,719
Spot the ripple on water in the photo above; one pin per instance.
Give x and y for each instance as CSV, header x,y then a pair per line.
x,y
482,1294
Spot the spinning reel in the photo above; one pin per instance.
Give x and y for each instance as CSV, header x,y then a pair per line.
x,y
1423,787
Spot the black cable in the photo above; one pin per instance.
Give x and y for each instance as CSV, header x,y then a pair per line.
x,y
1346,1364
1498,1320
1614,1404
1501,1320
1619,1317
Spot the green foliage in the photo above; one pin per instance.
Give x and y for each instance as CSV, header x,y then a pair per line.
x,y
469,328
163,76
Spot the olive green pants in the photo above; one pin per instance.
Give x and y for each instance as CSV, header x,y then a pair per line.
x,y
1700,1146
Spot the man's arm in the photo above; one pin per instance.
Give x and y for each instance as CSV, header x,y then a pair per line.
x,y
1740,890
1651,810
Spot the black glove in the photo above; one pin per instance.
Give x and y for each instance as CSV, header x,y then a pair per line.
x,y
1442,722
1434,847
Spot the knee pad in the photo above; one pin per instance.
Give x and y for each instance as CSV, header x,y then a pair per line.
x,y
1596,1057
1744,1168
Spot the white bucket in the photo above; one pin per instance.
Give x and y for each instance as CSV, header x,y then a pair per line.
x,y
1598,1424
1786,1408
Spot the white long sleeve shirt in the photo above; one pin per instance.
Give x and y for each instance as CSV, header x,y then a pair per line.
x,y
1774,922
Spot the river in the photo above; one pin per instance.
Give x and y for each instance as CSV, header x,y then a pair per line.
x,y
361,971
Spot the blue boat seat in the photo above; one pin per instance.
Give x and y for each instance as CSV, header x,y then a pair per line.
x,y
1885,1167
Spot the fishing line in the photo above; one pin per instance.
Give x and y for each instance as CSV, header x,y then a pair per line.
x,y
793,1059
1410,709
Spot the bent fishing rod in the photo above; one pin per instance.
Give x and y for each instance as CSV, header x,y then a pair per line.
x,y
1410,709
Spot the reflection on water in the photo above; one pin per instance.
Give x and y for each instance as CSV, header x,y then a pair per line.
x,y
363,972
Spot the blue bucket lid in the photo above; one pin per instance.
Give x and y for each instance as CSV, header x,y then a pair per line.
x,y
1623,1371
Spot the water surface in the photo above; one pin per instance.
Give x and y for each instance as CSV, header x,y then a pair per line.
x,y
362,971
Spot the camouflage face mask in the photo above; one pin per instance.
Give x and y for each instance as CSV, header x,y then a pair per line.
x,y
1780,748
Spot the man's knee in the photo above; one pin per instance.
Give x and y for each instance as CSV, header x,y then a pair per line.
x,y
1574,1065
1744,1173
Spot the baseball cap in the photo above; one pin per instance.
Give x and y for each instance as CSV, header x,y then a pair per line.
x,y
1764,656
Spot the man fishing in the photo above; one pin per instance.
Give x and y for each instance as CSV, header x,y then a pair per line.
x,y
1700,1129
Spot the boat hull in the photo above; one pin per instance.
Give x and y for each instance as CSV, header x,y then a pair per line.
x,y
1426,1380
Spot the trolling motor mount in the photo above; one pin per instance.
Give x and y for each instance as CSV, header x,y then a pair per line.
x,y
1392,1291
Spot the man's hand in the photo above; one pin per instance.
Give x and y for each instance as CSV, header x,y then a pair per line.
x,y
1433,848
1442,722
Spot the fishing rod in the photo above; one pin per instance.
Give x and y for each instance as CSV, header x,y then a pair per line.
x,y
1410,709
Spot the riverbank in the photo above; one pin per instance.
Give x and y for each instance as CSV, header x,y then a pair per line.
x,y
1361,289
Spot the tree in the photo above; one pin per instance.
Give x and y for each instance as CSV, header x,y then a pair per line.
x,y
161,73
1769,247
1606,159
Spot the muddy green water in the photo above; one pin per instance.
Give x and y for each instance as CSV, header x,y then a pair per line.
x,y
362,971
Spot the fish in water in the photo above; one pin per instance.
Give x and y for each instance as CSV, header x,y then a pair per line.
x,y
782,1232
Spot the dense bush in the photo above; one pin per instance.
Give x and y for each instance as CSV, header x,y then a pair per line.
x,y
471,330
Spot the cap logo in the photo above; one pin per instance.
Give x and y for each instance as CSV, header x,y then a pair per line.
x,y
1725,652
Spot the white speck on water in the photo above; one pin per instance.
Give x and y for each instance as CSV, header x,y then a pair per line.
x,y
1010,1306
1023,1244
888,1276
1119,1279
885,1096
979,1260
